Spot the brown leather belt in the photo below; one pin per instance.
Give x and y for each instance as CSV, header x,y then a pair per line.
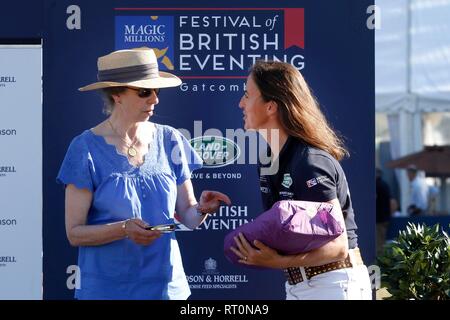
x,y
294,275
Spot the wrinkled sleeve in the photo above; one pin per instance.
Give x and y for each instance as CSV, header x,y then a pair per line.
x,y
77,167
184,157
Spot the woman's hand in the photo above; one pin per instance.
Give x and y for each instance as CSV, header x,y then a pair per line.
x,y
210,201
135,230
262,256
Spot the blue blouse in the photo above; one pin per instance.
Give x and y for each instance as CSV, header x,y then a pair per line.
x,y
122,269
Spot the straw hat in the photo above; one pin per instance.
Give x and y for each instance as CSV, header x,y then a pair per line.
x,y
132,68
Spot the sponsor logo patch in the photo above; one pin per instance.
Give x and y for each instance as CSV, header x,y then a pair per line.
x,y
287,180
315,181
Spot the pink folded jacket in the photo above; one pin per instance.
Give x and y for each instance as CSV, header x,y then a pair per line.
x,y
290,227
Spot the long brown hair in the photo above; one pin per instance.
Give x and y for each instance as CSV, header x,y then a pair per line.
x,y
298,110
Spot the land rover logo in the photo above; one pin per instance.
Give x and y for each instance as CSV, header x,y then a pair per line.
x,y
215,151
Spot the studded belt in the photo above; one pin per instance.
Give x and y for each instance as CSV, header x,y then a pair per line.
x,y
294,275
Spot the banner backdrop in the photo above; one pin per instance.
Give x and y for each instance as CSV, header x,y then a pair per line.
x,y
211,49
21,172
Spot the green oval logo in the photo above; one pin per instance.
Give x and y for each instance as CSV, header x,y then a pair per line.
x,y
215,151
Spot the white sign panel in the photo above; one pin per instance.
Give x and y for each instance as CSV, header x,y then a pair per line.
x,y
20,172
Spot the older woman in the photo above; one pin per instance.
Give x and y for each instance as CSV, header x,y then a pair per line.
x,y
124,177
278,103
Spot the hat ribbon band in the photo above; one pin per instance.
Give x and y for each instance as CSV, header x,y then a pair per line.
x,y
128,74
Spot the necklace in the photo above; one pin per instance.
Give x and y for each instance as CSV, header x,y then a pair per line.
x,y
131,151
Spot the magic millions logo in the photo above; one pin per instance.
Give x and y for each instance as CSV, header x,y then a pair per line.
x,y
216,43
215,151
155,32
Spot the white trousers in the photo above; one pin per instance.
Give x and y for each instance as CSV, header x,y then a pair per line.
x,y
343,284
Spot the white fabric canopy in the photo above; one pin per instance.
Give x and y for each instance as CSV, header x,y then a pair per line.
x,y
412,68
412,71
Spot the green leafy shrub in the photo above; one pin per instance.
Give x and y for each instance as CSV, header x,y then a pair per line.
x,y
417,264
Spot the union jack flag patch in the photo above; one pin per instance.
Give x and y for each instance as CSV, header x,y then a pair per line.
x,y
311,183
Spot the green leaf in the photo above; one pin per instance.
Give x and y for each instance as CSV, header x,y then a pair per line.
x,y
416,265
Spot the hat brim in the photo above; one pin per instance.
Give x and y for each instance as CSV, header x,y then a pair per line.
x,y
165,80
